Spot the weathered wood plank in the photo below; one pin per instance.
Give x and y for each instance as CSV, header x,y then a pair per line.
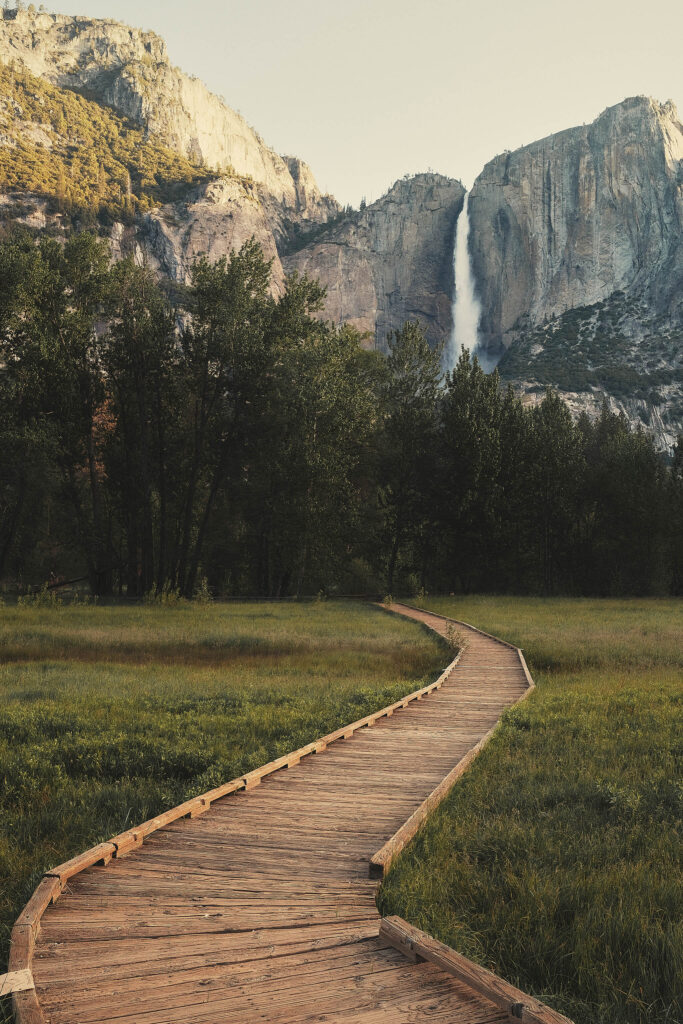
x,y
259,907
22,943
47,892
381,861
16,981
27,1009
98,854
519,1006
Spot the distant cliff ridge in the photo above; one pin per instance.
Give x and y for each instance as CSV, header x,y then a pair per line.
x,y
129,70
575,240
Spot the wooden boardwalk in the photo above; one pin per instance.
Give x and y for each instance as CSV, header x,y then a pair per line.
x,y
262,909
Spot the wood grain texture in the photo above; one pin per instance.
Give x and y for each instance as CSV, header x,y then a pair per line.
x,y
16,981
414,943
253,903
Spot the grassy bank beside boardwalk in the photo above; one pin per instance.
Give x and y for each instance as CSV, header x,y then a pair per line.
x,y
556,861
110,715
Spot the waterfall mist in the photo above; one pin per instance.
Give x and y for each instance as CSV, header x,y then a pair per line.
x,y
466,305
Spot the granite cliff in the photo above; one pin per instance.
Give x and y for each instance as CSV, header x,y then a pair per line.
x,y
569,220
576,240
391,261
577,248
129,70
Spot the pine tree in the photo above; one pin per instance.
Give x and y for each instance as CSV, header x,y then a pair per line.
x,y
408,402
469,453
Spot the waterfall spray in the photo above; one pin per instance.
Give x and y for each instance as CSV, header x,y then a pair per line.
x,y
466,305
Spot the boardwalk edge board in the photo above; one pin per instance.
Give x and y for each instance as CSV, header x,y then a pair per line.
x,y
417,945
26,1006
455,622
382,860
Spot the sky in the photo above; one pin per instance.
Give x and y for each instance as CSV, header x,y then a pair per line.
x,y
366,92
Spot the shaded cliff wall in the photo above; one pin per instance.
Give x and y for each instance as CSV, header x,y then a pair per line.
x,y
390,262
569,220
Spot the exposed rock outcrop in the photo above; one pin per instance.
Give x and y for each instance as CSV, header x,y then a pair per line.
x,y
129,70
215,220
617,350
569,220
390,262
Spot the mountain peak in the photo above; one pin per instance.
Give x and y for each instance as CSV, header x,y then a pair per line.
x,y
128,70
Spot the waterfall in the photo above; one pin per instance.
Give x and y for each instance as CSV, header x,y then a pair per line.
x,y
466,305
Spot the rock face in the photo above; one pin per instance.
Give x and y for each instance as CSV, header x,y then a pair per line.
x,y
129,70
576,240
390,262
619,350
214,220
577,248
569,220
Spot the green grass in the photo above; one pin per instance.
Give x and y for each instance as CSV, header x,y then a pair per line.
x,y
556,861
109,715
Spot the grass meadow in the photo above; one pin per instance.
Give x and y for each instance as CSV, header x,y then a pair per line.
x,y
556,861
109,715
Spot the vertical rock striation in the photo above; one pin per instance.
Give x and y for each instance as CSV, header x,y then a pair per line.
x,y
390,262
568,220
214,220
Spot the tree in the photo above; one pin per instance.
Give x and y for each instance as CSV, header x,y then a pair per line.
x,y
553,477
408,405
625,500
140,359
296,491
50,299
469,464
224,351
512,546
675,517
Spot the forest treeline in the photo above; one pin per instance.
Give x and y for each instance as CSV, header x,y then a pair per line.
x,y
231,440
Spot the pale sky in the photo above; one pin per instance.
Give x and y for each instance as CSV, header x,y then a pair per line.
x,y
369,90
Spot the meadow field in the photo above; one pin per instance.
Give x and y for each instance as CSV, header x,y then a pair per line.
x,y
556,861
109,715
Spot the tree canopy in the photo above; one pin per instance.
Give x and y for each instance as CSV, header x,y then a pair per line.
x,y
237,441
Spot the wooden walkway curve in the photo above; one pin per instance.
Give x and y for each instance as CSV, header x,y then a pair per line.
x,y
262,909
